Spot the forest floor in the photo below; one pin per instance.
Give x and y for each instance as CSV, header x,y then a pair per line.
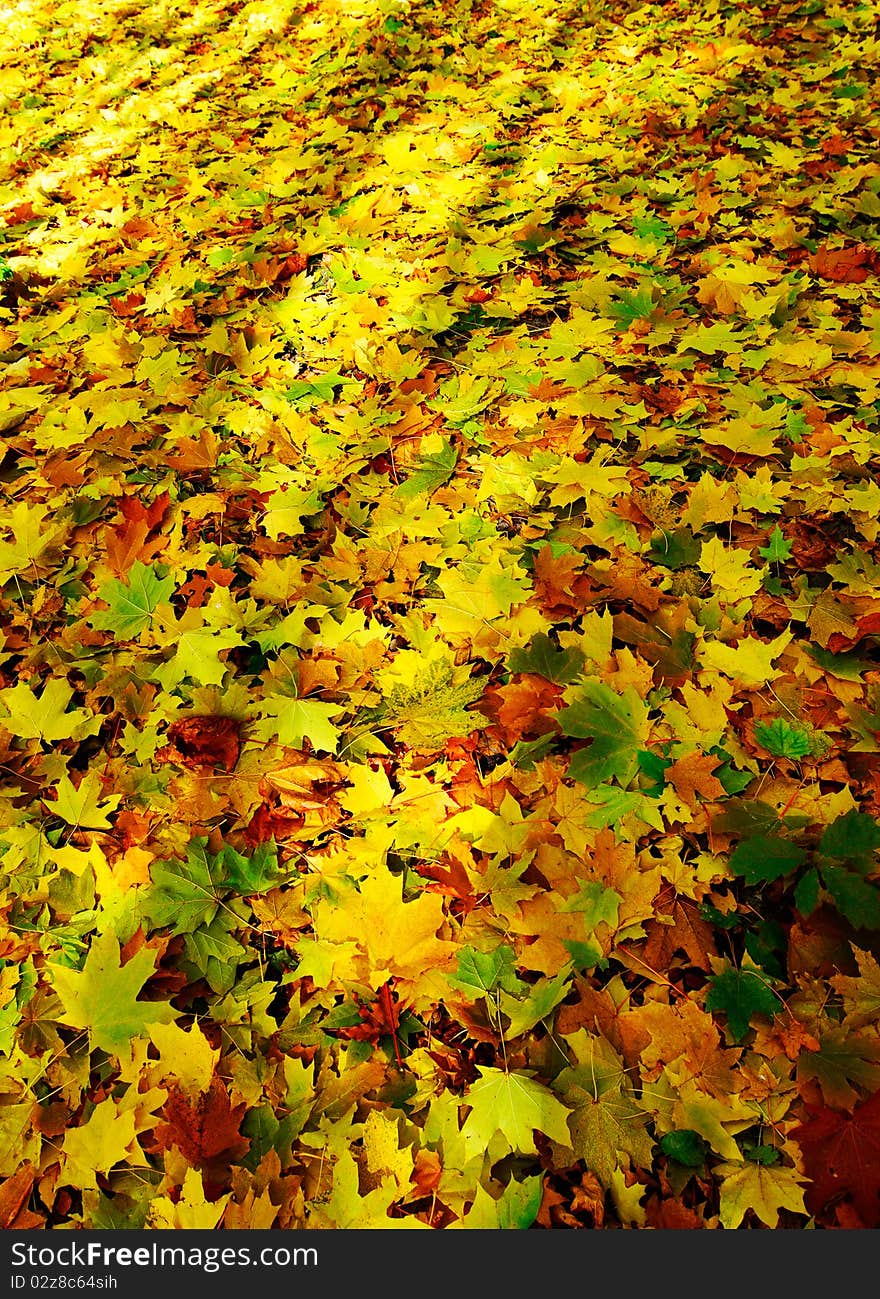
x,y
439,686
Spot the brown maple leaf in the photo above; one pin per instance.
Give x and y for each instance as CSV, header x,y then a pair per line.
x,y
200,742
524,708
672,1215
692,779
205,1130
127,306
688,933
560,584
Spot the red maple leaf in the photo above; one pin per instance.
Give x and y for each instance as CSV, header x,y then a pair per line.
x,y
842,1156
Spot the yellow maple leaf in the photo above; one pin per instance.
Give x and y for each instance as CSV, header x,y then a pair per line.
x,y
43,717
749,662
105,1140
186,1056
192,1212
733,577
764,1190
33,533
395,939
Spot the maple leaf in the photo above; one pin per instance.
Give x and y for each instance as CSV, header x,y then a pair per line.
x,y
516,1208
198,647
861,995
102,996
606,1121
784,739
843,1058
106,1139
541,656
433,466
33,539
185,1055
850,265
396,939
692,777
749,662
749,1186
191,1211
434,709
614,724
842,1158
688,932
480,973
778,549
766,857
205,1127
43,717
82,805
348,1208
853,837
131,604
516,1106
291,721
741,994
203,742
732,575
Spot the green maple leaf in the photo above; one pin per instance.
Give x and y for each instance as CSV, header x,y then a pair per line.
x,y
784,739
291,721
614,804
633,304
676,549
843,1058
606,1118
542,997
777,549
686,1147
214,952
514,1105
480,973
132,603
765,857
515,1209
185,894
250,875
102,996
615,726
430,471
847,667
595,902
853,837
542,657
741,994
525,753
854,897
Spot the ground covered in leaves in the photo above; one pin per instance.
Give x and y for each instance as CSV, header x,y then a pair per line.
x,y
439,550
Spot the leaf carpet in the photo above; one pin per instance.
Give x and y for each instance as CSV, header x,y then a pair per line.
x,y
439,692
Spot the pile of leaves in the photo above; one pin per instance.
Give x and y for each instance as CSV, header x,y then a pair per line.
x,y
440,700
